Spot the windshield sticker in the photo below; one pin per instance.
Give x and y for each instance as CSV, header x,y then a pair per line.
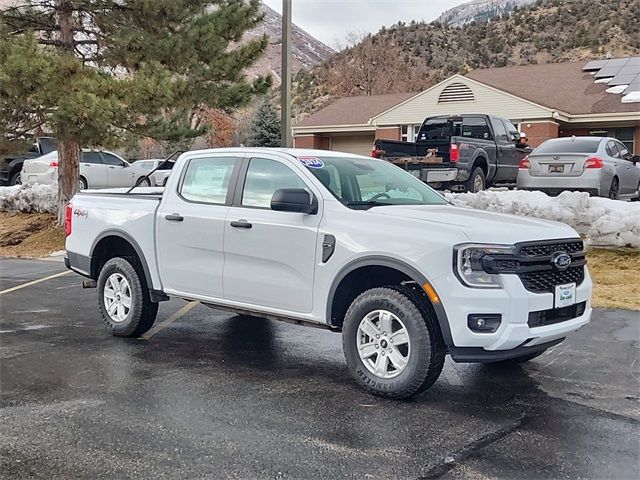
x,y
311,162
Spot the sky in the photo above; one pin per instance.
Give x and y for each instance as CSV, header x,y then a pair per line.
x,y
330,20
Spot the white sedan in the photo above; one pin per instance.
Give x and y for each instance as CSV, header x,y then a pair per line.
x,y
159,177
98,169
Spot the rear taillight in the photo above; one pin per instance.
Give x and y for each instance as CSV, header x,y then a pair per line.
x,y
594,162
53,163
454,153
524,163
375,153
67,219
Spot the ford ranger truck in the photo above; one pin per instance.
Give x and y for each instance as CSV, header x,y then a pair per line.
x,y
339,241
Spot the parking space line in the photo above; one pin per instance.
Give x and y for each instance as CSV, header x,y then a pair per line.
x,y
33,282
168,321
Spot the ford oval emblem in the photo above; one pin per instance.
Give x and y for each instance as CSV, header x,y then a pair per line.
x,y
561,260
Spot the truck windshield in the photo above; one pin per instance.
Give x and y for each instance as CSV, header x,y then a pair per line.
x,y
364,183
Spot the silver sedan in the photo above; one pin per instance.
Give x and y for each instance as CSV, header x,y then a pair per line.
x,y
602,166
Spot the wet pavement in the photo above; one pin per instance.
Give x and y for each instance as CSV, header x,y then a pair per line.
x,y
214,395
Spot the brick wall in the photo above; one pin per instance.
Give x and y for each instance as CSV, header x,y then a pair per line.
x,y
539,132
388,133
311,141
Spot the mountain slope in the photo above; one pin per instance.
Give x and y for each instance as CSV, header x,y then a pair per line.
x,y
479,11
307,51
414,56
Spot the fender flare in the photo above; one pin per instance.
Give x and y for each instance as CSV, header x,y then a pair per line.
x,y
491,169
113,232
408,270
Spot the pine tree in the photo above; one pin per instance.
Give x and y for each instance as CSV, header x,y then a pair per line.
x,y
265,127
107,71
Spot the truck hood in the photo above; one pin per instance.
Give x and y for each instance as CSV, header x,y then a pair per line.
x,y
480,225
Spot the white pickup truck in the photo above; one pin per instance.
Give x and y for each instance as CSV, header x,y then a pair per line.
x,y
340,241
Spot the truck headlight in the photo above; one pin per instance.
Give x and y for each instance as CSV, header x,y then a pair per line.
x,y
468,264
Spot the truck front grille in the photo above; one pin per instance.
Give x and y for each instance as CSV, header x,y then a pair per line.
x,y
537,270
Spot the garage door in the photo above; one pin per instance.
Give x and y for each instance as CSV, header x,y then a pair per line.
x,y
359,144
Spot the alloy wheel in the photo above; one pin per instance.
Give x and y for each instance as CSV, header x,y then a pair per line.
x,y
117,297
383,344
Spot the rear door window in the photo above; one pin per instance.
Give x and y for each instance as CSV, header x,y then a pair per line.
x,y
264,177
612,150
475,127
90,157
206,180
624,152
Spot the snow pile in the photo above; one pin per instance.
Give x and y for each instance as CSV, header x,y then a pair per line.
x,y
29,198
603,222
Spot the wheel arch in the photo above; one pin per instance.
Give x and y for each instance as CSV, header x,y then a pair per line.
x,y
399,270
117,242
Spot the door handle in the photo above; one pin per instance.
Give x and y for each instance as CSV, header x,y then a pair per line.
x,y
175,217
241,224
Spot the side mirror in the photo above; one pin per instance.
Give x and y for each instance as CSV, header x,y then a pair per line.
x,y
635,159
296,200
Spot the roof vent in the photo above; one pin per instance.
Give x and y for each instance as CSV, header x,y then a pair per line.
x,y
456,92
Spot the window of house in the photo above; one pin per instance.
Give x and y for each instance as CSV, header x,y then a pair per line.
x,y
625,135
409,133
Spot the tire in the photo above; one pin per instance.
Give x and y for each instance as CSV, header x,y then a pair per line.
x,y
15,179
82,184
141,314
518,360
476,181
143,182
614,189
424,353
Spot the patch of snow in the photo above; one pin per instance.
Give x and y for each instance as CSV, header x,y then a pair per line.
x,y
29,198
58,253
603,80
617,89
632,97
601,221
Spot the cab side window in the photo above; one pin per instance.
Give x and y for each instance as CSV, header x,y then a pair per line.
x,y
475,127
498,128
206,180
264,177
90,157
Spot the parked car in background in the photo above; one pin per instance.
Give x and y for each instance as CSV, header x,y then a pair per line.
x,y
11,166
98,169
159,177
461,152
602,166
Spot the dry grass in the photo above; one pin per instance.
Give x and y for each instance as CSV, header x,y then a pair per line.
x,y
616,277
615,272
29,235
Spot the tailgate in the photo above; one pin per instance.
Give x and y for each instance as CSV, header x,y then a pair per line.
x,y
562,164
36,166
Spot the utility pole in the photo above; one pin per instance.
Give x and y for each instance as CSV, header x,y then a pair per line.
x,y
285,75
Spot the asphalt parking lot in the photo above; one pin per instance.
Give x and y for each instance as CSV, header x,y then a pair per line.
x,y
211,395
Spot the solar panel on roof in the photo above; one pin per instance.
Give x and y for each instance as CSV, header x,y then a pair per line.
x,y
595,65
608,72
632,61
634,87
616,62
623,79
630,70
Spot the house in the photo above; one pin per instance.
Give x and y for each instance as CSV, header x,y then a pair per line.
x,y
544,100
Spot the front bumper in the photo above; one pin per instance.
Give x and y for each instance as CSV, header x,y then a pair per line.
x,y
514,303
594,181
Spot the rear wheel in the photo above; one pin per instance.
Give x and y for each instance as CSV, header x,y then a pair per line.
x,y
123,298
614,188
392,343
15,179
144,182
476,181
82,184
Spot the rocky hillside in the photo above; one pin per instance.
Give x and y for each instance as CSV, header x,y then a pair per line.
x,y
410,57
479,11
307,50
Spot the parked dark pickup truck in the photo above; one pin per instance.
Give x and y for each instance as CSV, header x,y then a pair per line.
x,y
10,167
461,153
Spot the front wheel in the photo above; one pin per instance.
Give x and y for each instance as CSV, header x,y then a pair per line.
x,y
476,181
392,343
123,299
15,179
